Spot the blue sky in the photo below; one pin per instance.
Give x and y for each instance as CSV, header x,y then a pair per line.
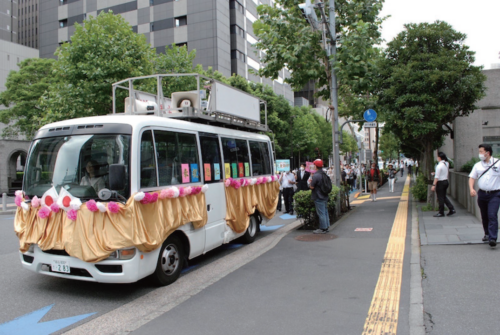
x,y
477,19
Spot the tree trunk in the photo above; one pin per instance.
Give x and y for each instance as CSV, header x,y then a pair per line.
x,y
428,168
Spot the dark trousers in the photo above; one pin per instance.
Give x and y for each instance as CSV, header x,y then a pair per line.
x,y
279,202
288,197
409,170
402,171
489,204
441,188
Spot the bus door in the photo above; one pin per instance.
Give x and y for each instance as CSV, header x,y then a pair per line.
x,y
212,166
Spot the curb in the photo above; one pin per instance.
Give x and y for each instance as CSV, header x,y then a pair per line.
x,y
133,315
416,314
11,212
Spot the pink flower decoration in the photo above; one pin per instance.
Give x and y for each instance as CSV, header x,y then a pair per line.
x,y
92,206
196,190
19,193
163,194
147,198
44,212
188,190
18,200
54,208
228,182
236,184
35,203
182,192
72,214
170,193
154,197
113,207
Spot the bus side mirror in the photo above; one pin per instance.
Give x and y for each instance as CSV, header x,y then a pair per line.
x,y
117,177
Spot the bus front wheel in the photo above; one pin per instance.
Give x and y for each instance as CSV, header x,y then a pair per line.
x,y
251,231
170,261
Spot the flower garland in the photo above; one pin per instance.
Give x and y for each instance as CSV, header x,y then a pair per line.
x,y
71,205
243,182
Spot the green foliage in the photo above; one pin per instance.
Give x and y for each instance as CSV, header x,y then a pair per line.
x,y
24,89
427,80
289,41
389,146
419,189
102,51
428,208
349,143
467,167
304,206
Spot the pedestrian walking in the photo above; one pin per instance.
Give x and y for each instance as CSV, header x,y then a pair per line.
x,y
410,165
440,185
402,168
487,174
392,173
416,168
321,187
302,178
288,183
374,180
280,180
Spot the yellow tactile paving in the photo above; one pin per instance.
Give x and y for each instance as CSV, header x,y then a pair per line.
x,y
384,310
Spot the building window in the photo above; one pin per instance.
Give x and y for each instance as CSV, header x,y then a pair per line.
x,y
63,2
237,30
152,28
184,44
238,6
180,21
236,54
63,23
151,2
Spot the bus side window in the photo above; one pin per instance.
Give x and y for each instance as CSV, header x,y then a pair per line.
x,y
177,152
236,158
210,154
148,161
261,164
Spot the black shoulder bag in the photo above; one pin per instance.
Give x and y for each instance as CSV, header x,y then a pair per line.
x,y
488,169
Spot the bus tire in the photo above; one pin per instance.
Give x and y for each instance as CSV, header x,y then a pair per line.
x,y
170,262
251,231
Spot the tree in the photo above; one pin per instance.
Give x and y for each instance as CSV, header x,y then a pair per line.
x,y
349,144
102,51
24,89
289,41
389,145
426,81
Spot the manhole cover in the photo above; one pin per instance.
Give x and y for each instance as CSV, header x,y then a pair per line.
x,y
315,237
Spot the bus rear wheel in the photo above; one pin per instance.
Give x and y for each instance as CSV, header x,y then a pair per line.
x,y
251,231
170,262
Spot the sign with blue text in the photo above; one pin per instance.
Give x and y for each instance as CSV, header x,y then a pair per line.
x,y
370,115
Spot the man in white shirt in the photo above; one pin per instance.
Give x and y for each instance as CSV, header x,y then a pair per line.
x,y
440,185
487,173
288,182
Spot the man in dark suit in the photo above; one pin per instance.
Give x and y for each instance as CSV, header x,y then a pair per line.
x,y
302,177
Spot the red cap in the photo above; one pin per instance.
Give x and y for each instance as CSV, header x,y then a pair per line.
x,y
318,163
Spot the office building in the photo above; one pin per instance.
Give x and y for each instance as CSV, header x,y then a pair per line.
x,y
27,26
8,20
220,30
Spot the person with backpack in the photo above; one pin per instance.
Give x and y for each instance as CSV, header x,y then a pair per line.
x,y
321,186
374,179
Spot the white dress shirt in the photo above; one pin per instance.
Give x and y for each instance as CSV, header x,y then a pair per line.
x,y
287,178
441,171
491,180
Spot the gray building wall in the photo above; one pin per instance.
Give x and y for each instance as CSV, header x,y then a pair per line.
x,y
27,13
481,126
8,20
210,30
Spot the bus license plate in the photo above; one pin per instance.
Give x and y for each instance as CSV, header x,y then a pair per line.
x,y
60,266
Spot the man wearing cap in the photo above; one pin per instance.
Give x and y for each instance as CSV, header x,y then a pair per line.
x,y
391,172
487,173
320,199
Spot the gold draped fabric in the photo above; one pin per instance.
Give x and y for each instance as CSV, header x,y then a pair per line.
x,y
242,202
95,235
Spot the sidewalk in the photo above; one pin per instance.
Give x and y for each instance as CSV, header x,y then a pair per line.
x,y
459,275
461,228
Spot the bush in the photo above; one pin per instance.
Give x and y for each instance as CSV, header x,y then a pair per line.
x,y
419,190
467,167
305,209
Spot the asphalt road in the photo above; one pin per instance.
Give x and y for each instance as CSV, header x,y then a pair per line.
x,y
24,292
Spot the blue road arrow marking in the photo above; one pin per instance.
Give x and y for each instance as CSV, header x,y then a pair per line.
x,y
270,228
28,324
288,216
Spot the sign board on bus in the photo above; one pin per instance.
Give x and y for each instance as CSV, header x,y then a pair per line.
x,y
282,165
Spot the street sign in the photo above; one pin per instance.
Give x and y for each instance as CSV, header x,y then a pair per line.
x,y
370,115
282,165
370,124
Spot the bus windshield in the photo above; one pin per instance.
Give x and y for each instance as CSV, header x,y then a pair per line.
x,y
79,163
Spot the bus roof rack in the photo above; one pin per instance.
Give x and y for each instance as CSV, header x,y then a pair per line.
x,y
212,102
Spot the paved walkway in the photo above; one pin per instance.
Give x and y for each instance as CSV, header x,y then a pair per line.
x,y
461,228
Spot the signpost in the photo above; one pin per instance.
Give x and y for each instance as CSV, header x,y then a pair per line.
x,y
370,124
370,115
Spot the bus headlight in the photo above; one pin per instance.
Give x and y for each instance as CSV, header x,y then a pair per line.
x,y
122,254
